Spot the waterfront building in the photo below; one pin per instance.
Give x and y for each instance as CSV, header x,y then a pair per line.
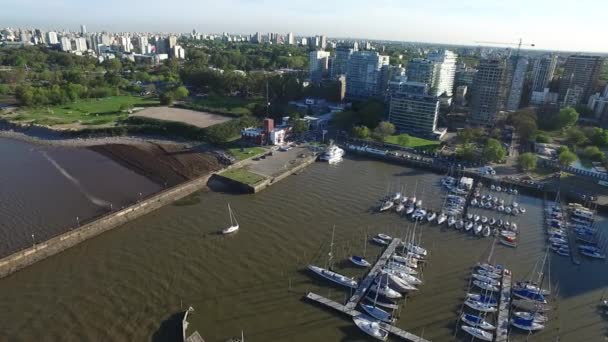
x,y
414,110
580,78
446,71
318,65
51,38
366,75
488,91
516,76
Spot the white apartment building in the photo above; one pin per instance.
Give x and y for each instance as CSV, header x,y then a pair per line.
x,y
444,81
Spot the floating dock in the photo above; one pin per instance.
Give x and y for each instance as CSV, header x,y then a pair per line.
x,y
502,326
351,304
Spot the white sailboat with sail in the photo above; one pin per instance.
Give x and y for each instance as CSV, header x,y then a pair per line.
x,y
234,224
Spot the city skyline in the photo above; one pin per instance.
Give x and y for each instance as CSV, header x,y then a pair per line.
x,y
551,25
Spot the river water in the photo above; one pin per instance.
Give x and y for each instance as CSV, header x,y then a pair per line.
x,y
126,284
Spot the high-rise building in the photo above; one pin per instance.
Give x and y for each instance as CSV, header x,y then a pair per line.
x,y
446,71
257,38
464,76
171,42
80,44
304,41
543,70
314,42
598,103
51,38
318,65
161,45
179,52
488,91
413,110
25,37
83,30
66,44
516,75
142,42
581,74
291,39
323,42
422,71
364,75
340,61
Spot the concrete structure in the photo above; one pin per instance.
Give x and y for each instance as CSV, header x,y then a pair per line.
x,y
544,97
66,44
502,326
464,76
267,134
142,42
318,65
446,71
51,38
543,70
291,40
340,61
423,71
413,110
488,91
365,75
179,52
80,44
323,42
461,95
516,75
581,74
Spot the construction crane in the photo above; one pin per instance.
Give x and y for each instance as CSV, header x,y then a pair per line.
x,y
519,45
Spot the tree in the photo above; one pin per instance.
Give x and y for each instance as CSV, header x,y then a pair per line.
x,y
180,93
467,135
527,161
166,98
403,139
524,122
567,117
566,158
344,119
597,136
542,138
383,130
371,113
593,153
299,125
361,132
575,136
466,152
494,151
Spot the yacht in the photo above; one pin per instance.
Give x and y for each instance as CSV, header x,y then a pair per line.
x,y
332,154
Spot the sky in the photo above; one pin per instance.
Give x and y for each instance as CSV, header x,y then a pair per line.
x,y
579,25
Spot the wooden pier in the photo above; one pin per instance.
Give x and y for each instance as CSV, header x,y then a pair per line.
x,y
372,274
574,252
502,326
354,313
364,285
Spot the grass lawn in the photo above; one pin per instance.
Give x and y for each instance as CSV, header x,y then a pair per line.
x,y
243,176
413,142
236,106
84,112
247,152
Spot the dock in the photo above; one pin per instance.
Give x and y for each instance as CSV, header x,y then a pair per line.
x,y
372,274
574,252
354,313
351,304
502,326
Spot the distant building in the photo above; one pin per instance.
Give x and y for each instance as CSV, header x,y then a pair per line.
x,y
80,44
598,103
318,65
323,42
422,71
544,97
83,30
291,40
179,52
516,75
581,74
171,42
339,65
365,75
142,42
66,44
161,45
314,42
461,95
267,134
51,38
543,70
414,110
446,72
488,91
464,76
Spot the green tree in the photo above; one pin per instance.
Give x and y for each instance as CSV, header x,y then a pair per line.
x,y
361,132
383,130
403,139
167,98
371,113
598,136
543,138
594,153
566,158
575,136
493,151
468,135
527,161
567,117
344,120
180,93
299,125
466,152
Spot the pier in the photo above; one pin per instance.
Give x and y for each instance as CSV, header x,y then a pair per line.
x,y
351,304
502,326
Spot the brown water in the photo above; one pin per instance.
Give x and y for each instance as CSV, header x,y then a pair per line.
x,y
124,284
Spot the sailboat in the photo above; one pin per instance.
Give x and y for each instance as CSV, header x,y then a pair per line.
x,y
477,321
360,260
371,327
376,312
234,225
331,275
478,333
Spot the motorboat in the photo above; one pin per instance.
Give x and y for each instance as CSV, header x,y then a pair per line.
x,y
334,277
492,221
469,216
484,219
384,237
441,218
509,242
468,226
332,154
479,306
488,205
234,224
419,214
476,218
410,209
498,188
489,280
486,231
476,321
528,316
359,261
377,313
508,210
501,208
530,306
380,241
431,216
522,210
515,205
387,205
371,327
477,229
478,333
451,221
527,325
482,299
508,234
400,207
416,249
485,286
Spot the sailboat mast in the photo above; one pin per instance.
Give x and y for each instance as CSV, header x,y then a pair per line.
x,y
331,249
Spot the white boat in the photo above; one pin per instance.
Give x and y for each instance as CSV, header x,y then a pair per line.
x,y
492,187
476,218
486,232
478,333
416,249
509,242
509,234
530,306
487,300
442,218
477,229
408,278
498,188
489,280
334,277
410,209
537,317
469,216
459,224
419,204
474,202
430,217
592,254
527,325
396,197
377,313
234,225
386,291
384,237
332,154
359,261
488,274
485,286
501,208
400,207
451,221
398,283
492,221
380,241
401,268
508,210
515,205
387,205
476,321
469,226
371,327
531,287
484,219
380,301
479,306
491,268
488,205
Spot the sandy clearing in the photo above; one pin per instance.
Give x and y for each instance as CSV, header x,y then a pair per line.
x,y
191,117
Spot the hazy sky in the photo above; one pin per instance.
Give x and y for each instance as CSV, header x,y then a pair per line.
x,y
550,24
